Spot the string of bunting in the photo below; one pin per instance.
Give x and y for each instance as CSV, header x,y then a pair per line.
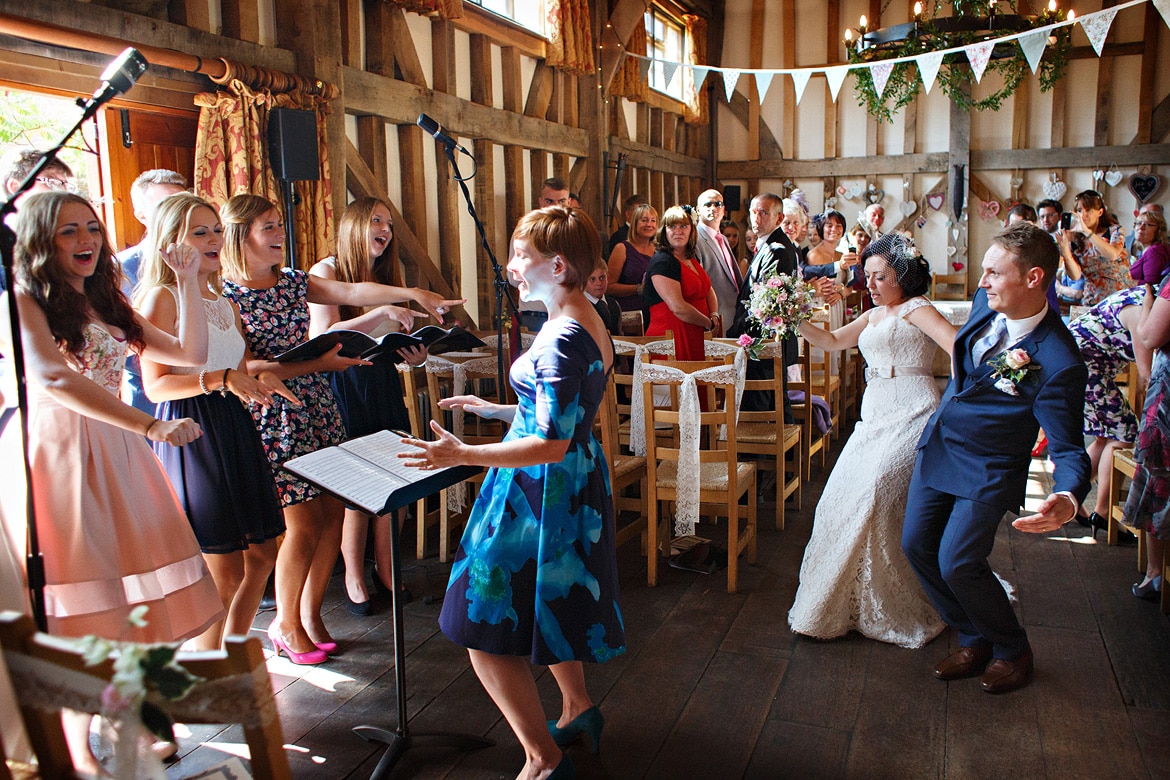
x,y
1032,42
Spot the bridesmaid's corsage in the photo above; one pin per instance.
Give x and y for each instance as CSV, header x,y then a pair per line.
x,y
1011,367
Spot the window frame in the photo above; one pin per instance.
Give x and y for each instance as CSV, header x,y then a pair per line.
x,y
656,13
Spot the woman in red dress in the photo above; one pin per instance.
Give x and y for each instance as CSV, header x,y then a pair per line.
x,y
678,291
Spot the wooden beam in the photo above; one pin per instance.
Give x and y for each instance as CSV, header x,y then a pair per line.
x,y
788,95
443,56
405,54
1074,157
500,31
191,13
748,112
1145,104
515,204
1160,121
879,165
539,92
767,146
371,133
412,144
401,103
646,156
447,196
241,20
361,182
623,18
959,155
1104,95
832,48
351,31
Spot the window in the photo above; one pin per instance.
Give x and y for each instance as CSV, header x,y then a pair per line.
x,y
526,13
664,42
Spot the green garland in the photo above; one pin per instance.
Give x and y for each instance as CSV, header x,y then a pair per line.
x,y
905,80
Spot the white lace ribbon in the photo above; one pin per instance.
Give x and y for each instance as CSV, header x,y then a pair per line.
x,y
687,487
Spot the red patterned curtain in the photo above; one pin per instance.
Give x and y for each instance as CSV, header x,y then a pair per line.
x,y
628,82
694,96
231,159
570,35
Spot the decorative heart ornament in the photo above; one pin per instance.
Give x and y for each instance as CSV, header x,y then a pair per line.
x,y
921,221
1054,189
876,194
957,265
907,207
989,209
1113,177
856,190
951,250
935,200
1098,175
841,190
830,202
1145,186
955,234
1017,182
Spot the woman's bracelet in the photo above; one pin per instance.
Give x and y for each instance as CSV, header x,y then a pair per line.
x,y
223,388
203,383
153,422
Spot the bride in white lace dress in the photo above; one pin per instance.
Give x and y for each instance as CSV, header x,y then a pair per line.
x,y
854,576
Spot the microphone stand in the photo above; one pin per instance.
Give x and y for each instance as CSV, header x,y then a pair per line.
x,y
500,284
35,564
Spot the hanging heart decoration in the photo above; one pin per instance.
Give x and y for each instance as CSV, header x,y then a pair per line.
x,y
958,264
1145,186
989,209
876,194
955,233
1017,182
842,191
907,207
830,202
921,221
1054,189
856,190
1113,177
951,250
1098,175
935,200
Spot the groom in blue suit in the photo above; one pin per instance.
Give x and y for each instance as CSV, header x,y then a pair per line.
x,y
1016,369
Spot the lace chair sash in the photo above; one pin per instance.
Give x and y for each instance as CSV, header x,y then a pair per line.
x,y
457,370
687,490
493,342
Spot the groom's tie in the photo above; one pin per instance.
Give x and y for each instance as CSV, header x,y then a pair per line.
x,y
992,342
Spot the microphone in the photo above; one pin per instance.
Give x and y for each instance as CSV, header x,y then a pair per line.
x,y
433,128
119,76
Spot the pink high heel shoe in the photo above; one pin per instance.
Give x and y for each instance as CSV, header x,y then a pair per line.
x,y
327,647
311,658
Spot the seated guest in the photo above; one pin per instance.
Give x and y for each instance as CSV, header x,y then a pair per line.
x,y
1149,230
824,259
859,238
1094,249
1048,213
677,290
1132,246
623,232
629,259
607,308
1021,212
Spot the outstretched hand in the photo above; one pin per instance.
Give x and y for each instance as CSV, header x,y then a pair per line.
x,y
182,258
446,450
1052,513
437,305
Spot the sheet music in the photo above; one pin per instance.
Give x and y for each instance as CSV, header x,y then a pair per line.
x,y
382,450
351,477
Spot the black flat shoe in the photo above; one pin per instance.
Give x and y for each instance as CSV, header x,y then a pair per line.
x,y
1149,591
359,608
404,595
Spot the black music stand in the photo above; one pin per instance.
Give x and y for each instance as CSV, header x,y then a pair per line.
x,y
399,740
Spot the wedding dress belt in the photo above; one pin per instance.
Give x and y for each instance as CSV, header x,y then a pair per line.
x,y
889,372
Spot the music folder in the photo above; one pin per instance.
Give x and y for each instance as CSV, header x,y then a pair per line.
x,y
367,473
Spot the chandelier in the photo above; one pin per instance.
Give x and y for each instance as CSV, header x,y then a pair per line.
x,y
970,23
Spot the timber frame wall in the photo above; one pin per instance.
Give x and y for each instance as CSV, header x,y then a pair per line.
x,y
560,125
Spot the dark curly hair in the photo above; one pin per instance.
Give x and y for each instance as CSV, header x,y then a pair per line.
x,y
39,273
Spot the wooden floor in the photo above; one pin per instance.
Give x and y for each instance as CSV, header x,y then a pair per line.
x,y
716,686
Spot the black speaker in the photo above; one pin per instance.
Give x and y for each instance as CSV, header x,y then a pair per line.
x,y
292,144
731,198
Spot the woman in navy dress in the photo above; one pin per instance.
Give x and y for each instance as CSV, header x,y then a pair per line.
x,y
223,479
535,577
369,397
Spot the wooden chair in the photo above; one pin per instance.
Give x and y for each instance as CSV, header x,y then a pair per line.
x,y
631,324
826,380
415,395
765,433
950,287
624,470
50,673
713,473
812,440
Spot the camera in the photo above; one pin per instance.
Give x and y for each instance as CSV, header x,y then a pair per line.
x,y
1066,220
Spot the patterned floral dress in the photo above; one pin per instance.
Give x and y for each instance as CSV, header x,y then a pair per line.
x,y
1107,348
1148,504
1102,278
536,571
276,319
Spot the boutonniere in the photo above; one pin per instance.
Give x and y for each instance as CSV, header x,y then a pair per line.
x,y
1010,368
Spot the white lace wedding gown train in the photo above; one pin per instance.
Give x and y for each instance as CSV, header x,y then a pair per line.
x,y
854,576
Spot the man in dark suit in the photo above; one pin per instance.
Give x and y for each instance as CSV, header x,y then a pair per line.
x,y
974,454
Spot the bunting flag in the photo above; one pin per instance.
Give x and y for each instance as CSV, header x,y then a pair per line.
x,y
1163,7
799,82
928,65
668,71
880,73
764,80
1033,44
730,77
979,54
644,68
836,77
1096,26
700,76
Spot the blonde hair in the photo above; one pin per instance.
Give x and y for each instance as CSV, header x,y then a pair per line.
x,y
238,215
169,224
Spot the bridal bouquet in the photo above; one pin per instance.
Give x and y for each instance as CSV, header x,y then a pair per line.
x,y
778,307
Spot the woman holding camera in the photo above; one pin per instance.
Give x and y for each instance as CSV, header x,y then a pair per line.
x,y
1093,248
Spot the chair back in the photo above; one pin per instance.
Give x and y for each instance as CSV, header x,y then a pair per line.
x,y
50,674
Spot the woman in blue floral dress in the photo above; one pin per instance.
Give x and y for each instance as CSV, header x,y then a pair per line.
x,y
1105,337
535,578
274,310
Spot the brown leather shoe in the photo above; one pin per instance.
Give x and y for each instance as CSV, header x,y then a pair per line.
x,y
964,662
1003,676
